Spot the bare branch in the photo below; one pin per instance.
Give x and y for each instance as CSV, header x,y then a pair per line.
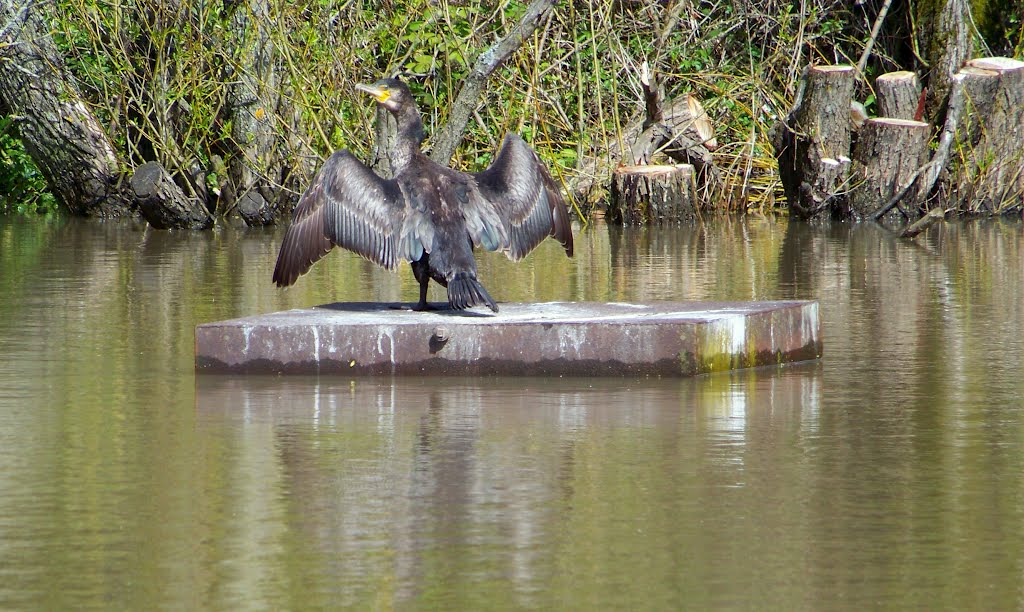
x,y
490,60
874,36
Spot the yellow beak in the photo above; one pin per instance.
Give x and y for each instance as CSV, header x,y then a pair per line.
x,y
380,94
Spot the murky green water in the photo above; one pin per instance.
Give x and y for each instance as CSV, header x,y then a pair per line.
x,y
889,475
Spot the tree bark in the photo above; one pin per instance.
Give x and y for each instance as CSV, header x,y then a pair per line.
x,y
887,156
991,176
655,194
162,202
898,94
251,103
60,134
814,140
945,39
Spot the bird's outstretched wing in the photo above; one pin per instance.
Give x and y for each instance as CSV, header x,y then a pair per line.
x,y
526,198
347,205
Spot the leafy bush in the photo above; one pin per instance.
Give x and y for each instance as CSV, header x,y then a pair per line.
x,y
160,73
22,187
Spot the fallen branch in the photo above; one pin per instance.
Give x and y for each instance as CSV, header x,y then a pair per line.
x,y
923,223
954,111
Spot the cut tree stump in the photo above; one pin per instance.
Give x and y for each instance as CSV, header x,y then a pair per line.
x,y
886,158
991,177
653,194
898,94
255,210
163,203
672,131
816,129
978,161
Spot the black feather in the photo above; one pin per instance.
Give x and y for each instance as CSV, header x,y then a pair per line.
x,y
424,214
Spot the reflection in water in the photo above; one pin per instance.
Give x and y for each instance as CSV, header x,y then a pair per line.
x,y
442,487
892,472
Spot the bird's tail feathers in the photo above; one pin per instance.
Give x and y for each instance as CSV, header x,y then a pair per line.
x,y
465,291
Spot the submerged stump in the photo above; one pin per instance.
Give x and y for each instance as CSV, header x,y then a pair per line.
x,y
653,194
255,210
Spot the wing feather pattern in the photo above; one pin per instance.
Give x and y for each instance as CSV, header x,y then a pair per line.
x,y
527,199
347,205
483,220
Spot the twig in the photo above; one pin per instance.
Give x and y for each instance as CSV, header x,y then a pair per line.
x,y
671,20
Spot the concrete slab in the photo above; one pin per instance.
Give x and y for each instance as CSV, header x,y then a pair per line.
x,y
548,339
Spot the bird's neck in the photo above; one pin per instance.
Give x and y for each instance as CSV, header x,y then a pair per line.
x,y
410,136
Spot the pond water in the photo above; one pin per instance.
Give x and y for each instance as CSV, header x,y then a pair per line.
x,y
889,474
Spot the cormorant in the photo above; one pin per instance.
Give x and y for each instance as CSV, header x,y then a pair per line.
x,y
428,214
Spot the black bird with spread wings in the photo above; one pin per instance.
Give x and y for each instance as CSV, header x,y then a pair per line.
x,y
429,215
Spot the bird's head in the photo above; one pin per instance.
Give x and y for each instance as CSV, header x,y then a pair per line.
x,y
392,94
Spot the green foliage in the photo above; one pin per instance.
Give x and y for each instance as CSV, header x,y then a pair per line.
x,y
22,188
1001,24
160,75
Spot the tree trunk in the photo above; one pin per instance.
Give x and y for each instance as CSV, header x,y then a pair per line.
x,y
813,142
886,159
898,94
991,176
385,131
251,103
653,194
63,138
945,39
295,166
